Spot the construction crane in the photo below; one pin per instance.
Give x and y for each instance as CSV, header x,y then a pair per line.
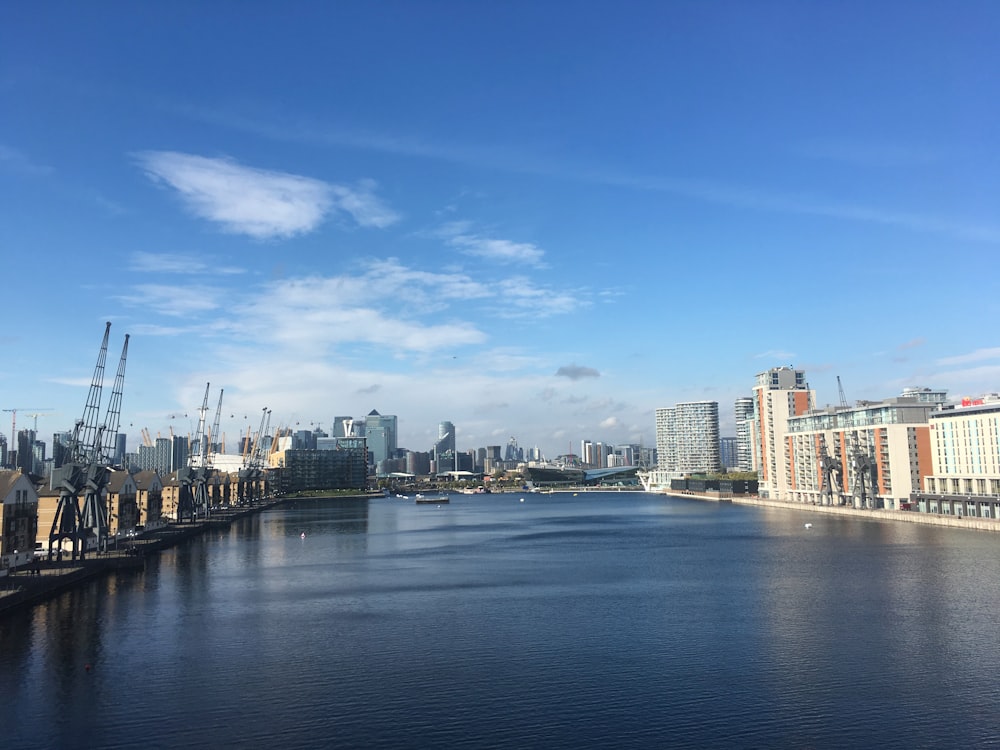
x,y
146,439
13,420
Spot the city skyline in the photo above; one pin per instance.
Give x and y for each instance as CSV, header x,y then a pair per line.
x,y
544,221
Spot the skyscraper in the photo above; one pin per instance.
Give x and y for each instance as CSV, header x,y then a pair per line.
x,y
380,431
743,414
444,448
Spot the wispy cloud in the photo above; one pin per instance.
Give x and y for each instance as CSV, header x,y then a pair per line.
x,y
912,344
522,297
979,355
173,300
15,161
577,372
776,354
755,197
457,235
260,203
868,153
175,263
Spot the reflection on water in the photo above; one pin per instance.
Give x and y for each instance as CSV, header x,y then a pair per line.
x,y
619,619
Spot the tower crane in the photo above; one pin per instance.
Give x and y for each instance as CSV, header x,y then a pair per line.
x,y
13,420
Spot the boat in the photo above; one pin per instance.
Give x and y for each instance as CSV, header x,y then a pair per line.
x,y
434,500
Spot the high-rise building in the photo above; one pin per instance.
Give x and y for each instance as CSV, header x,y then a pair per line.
x,y
25,451
780,393
119,456
687,438
727,452
743,414
444,449
380,433
180,452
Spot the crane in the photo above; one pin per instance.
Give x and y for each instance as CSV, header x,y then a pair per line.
x,y
214,434
13,420
863,486
86,471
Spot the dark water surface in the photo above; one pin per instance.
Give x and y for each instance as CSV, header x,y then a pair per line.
x,y
604,620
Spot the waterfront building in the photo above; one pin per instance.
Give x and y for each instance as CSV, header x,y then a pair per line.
x,y
878,453
727,453
743,414
687,438
380,436
122,503
779,394
965,453
345,467
149,499
418,463
18,519
3,450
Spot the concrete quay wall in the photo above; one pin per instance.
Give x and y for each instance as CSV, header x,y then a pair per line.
x,y
36,582
904,516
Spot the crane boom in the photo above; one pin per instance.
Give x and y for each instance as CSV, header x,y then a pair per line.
x,y
201,458
215,425
113,417
86,445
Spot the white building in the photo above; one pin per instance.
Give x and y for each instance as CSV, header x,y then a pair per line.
x,y
965,451
687,438
743,414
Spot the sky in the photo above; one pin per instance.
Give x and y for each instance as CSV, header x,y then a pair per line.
x,y
539,220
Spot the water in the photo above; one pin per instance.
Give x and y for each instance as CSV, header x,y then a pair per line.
x,y
605,620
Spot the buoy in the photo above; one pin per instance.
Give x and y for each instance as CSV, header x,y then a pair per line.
x,y
522,499
303,535
809,525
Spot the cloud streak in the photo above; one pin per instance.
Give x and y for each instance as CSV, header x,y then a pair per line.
x,y
499,250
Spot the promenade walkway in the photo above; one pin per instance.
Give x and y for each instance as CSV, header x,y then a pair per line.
x,y
37,581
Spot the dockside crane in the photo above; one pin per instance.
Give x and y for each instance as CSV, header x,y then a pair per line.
x,y
862,468
250,473
86,471
193,478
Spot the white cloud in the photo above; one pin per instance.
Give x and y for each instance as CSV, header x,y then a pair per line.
x,y
260,203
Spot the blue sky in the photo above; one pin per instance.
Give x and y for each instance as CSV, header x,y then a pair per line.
x,y
540,220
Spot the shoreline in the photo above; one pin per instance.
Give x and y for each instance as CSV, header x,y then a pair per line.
x,y
38,581
971,523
